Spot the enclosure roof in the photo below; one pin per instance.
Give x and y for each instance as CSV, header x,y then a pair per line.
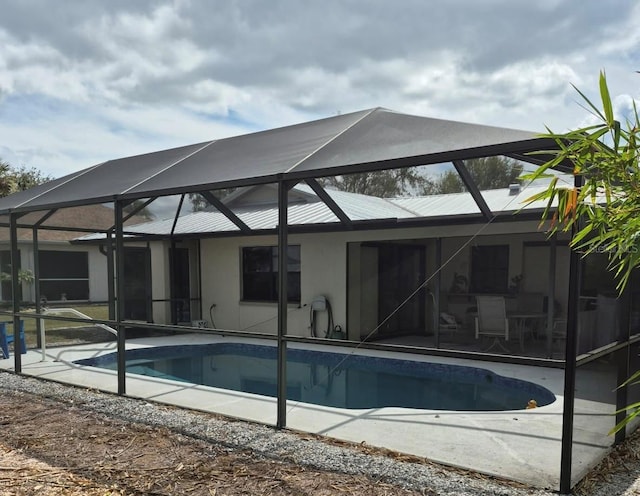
x,y
367,140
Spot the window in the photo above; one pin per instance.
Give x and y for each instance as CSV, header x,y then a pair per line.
x,y
490,269
64,275
260,273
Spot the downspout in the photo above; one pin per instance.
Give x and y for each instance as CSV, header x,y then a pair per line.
x,y
107,251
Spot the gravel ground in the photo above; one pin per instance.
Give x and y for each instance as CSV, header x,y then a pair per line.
x,y
313,452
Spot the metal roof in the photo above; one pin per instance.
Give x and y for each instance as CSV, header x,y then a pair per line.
x,y
357,207
499,201
372,139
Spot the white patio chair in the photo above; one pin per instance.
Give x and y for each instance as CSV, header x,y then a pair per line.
x,y
492,320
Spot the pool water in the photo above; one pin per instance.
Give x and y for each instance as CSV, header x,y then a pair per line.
x,y
333,379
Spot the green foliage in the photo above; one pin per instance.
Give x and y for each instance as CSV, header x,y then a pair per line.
x,y
385,184
140,210
24,276
603,212
605,209
13,179
198,202
487,172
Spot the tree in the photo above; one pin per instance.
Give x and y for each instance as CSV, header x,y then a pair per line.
x,y
199,203
385,184
13,179
487,173
602,214
605,209
28,177
140,210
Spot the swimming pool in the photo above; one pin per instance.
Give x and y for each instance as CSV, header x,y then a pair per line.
x,y
332,379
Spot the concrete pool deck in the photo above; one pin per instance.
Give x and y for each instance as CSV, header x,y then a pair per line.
x,y
522,445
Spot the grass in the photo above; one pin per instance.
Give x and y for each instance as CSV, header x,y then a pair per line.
x,y
69,332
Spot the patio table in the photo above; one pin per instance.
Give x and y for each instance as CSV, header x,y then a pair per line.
x,y
521,320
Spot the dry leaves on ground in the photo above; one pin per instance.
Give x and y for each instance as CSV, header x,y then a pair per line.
x,y
50,448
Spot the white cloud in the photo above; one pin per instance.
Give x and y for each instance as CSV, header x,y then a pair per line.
x,y
94,80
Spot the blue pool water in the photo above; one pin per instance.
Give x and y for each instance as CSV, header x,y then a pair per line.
x,y
330,379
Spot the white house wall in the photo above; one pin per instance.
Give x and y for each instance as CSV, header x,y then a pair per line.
x,y
98,288
160,281
98,275
324,272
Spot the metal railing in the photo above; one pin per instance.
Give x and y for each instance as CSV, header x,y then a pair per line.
x,y
54,311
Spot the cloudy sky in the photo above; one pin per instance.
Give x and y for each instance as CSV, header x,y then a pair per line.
x,y
82,81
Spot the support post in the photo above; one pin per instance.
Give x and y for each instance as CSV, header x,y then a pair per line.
x,y
15,292
436,292
120,298
281,419
173,303
551,294
36,286
573,307
623,359
111,289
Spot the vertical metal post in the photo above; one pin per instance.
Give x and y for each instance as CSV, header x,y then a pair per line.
x,y
173,303
200,302
281,419
111,290
436,292
551,294
119,262
622,358
15,292
573,307
36,285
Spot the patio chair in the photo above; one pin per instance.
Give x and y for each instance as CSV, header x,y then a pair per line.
x,y
7,339
492,320
448,325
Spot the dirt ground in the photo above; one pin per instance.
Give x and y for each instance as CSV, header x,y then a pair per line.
x,y
51,448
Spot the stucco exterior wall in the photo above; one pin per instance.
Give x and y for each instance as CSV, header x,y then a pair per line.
x,y
98,288
324,272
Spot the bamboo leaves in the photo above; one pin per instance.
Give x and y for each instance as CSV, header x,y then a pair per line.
x,y
606,156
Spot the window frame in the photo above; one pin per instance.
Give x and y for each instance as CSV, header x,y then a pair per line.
x,y
57,278
497,285
270,275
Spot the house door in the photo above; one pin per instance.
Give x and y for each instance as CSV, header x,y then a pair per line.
x,y
401,270
180,285
137,284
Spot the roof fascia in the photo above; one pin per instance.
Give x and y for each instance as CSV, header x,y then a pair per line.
x,y
58,228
